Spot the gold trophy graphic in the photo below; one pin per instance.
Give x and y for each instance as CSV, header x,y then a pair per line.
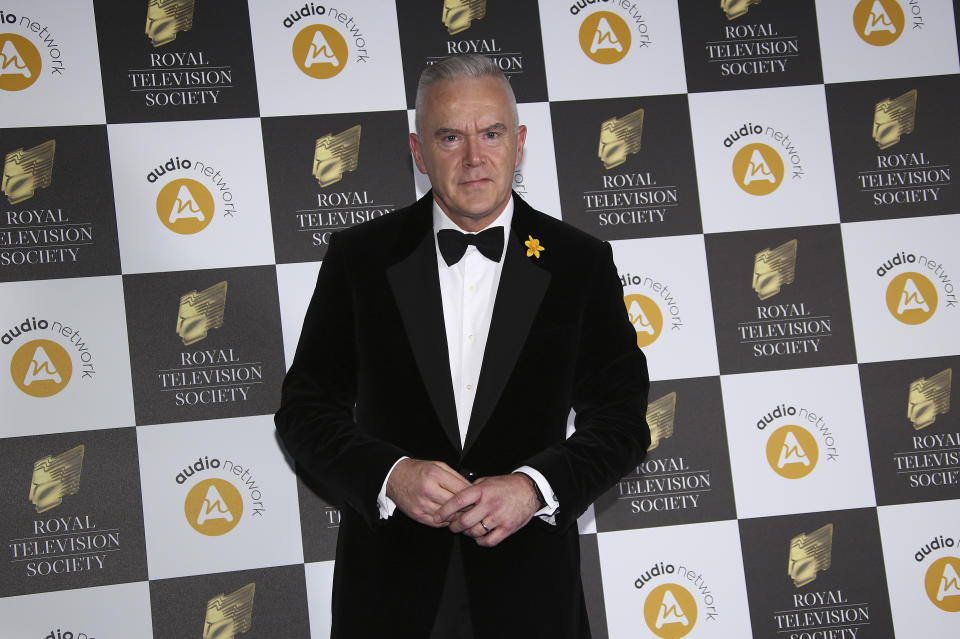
x,y
619,138
736,8
167,18
25,171
894,118
660,417
54,477
458,15
200,312
335,155
810,554
773,269
229,615
928,398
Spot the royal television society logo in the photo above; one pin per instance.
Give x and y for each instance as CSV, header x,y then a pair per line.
x,y
167,18
200,312
335,155
229,615
215,505
894,118
929,397
55,477
661,414
878,22
25,171
458,15
733,9
604,37
774,268
620,137
810,554
60,542
942,583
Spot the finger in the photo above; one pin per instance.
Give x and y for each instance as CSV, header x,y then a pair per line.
x,y
448,478
494,537
459,501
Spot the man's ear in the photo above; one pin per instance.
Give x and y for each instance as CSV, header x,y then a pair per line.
x,y
415,150
521,139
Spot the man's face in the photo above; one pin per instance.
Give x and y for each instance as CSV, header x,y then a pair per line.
x,y
470,148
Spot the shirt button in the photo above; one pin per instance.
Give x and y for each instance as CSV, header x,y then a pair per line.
x,y
470,337
472,288
469,386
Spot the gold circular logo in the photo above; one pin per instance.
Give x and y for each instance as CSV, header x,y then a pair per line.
x,y
911,298
185,206
646,318
670,611
758,169
604,37
213,507
878,22
41,368
942,583
20,62
320,51
792,452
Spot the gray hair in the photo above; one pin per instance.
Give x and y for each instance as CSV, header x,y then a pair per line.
x,y
470,65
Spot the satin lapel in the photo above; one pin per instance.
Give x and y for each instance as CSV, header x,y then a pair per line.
x,y
521,290
416,288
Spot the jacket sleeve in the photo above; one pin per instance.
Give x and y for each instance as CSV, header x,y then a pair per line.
x,y
609,397
316,416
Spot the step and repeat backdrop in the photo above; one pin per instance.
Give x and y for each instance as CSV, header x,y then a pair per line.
x,y
775,178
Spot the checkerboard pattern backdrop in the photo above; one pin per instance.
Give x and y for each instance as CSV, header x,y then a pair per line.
x,y
775,178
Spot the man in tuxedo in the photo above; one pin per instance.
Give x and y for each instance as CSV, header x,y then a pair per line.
x,y
440,356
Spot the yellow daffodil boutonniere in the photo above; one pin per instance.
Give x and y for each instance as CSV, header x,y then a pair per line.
x,y
534,247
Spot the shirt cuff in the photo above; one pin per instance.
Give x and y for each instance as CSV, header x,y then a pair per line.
x,y
385,505
549,512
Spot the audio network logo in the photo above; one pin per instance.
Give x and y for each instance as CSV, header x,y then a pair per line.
x,y
893,119
229,615
604,37
757,167
320,51
458,15
644,312
20,62
911,297
929,397
213,507
185,205
167,18
55,477
942,583
200,312
810,554
42,367
25,171
736,8
670,611
660,418
878,22
335,155
792,451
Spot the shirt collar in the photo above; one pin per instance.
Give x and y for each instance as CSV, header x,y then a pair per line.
x,y
441,221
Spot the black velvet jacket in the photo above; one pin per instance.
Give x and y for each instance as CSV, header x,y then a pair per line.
x,y
371,382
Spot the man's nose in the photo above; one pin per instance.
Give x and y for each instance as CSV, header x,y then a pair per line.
x,y
473,151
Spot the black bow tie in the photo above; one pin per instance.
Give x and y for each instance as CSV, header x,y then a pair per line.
x,y
453,244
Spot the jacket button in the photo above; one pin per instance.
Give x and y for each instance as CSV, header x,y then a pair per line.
x,y
469,475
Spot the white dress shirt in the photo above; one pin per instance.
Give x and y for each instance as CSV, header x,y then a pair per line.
x,y
468,290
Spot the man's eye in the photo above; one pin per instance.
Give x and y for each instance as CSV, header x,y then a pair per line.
x,y
492,135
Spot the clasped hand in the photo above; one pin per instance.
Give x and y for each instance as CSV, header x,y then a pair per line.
x,y
489,510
